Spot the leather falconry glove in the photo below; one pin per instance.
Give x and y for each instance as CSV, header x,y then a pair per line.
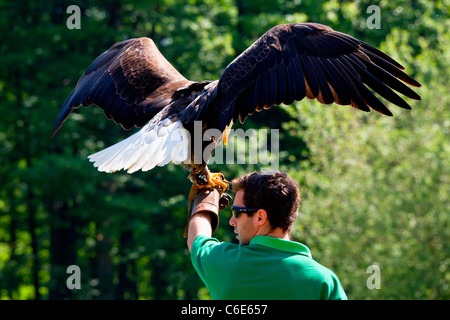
x,y
209,200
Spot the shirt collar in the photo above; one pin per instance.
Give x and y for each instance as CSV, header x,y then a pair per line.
x,y
280,244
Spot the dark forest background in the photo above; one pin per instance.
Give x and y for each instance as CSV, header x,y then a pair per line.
x,y
374,189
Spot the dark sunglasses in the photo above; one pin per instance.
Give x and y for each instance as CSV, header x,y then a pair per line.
x,y
238,210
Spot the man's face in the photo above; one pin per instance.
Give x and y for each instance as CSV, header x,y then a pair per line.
x,y
244,226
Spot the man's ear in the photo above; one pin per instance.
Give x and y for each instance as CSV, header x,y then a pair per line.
x,y
261,216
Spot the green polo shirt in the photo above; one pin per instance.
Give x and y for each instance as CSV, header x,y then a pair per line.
x,y
266,269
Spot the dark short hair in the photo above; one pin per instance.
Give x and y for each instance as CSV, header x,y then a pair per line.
x,y
276,193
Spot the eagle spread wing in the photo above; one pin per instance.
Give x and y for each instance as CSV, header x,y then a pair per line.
x,y
135,86
131,82
292,61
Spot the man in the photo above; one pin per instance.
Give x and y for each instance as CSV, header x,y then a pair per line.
x,y
266,264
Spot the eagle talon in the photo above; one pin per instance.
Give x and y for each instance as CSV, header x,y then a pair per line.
x,y
224,201
201,179
217,179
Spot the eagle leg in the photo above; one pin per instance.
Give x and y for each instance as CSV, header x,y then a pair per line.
x,y
203,178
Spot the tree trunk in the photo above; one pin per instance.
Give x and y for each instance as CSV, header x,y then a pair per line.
x,y
62,251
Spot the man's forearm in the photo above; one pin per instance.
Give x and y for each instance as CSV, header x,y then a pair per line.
x,y
200,224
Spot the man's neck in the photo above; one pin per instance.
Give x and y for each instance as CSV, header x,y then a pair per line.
x,y
278,233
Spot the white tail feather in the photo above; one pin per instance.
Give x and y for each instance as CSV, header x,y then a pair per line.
x,y
156,144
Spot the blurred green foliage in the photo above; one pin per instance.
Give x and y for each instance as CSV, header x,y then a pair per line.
x,y
374,189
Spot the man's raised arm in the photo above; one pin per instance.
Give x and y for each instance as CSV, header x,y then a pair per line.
x,y
199,225
204,219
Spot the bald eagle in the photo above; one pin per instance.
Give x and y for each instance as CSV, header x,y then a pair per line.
x,y
137,87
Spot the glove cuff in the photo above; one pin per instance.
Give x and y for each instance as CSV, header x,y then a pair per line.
x,y
206,200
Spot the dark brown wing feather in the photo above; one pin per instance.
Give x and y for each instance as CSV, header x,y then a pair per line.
x,y
131,82
292,61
